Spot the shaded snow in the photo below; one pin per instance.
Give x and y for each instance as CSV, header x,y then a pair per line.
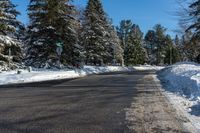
x,y
182,87
183,79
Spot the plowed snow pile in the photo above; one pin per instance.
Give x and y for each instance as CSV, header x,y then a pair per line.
x,y
182,87
183,79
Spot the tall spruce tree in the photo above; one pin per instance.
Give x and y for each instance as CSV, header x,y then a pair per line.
x,y
9,45
123,31
172,54
8,15
115,47
179,47
96,34
135,52
52,24
177,41
194,13
150,41
156,44
189,47
160,43
132,42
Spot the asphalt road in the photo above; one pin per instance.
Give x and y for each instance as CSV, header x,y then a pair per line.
x,y
94,104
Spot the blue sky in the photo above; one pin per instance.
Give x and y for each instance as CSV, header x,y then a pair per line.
x,y
145,13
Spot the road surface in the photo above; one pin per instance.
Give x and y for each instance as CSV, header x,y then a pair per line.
x,y
119,102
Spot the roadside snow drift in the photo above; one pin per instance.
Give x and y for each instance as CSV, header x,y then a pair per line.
x,y
45,75
183,79
148,67
182,87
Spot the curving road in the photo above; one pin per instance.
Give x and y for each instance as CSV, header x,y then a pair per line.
x,y
119,102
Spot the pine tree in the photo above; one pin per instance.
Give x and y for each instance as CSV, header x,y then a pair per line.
x,y
156,44
123,32
179,47
190,47
115,46
150,41
195,14
9,45
160,43
172,54
132,43
177,40
96,34
52,23
8,15
135,53
194,47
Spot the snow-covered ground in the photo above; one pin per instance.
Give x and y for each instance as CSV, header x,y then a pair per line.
x,y
182,84
183,79
12,77
148,67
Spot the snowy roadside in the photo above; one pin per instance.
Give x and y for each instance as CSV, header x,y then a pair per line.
x,y
148,67
38,75
12,77
182,88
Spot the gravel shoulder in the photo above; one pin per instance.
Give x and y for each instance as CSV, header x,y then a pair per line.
x,y
151,112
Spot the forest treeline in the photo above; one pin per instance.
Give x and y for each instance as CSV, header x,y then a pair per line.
x,y
59,34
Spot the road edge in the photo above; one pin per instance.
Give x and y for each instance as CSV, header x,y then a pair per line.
x,y
187,125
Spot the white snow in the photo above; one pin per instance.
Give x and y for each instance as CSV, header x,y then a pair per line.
x,y
45,75
189,109
147,67
11,77
183,79
182,87
5,40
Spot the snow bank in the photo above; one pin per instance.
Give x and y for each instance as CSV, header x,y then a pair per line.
x,y
183,79
45,75
148,67
182,87
187,110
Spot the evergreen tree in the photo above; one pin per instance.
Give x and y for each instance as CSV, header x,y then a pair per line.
x,y
96,34
132,42
150,41
115,47
52,24
135,53
156,44
10,51
177,41
190,47
172,54
123,32
8,15
194,47
179,47
195,14
160,43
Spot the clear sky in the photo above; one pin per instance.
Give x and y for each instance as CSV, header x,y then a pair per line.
x,y
145,13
